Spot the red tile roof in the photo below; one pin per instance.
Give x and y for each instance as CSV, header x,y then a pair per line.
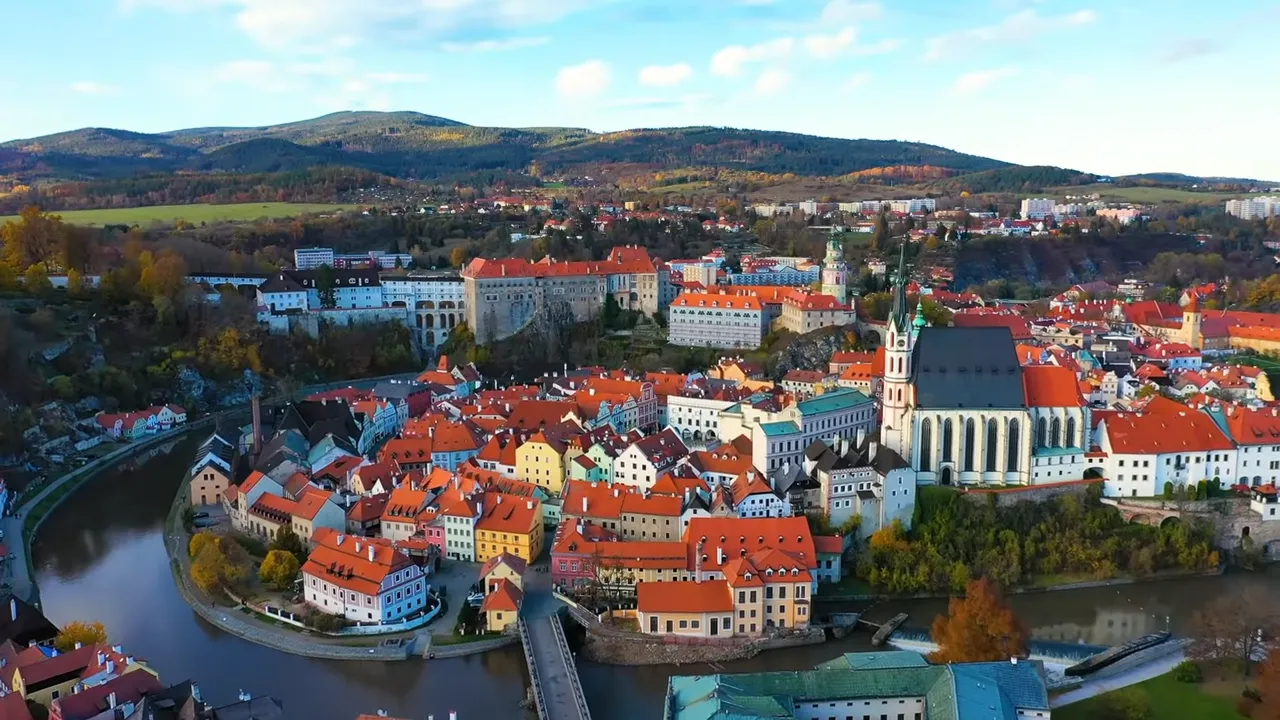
x,y
353,563
709,596
751,534
517,564
1158,433
1051,386
505,597
510,514
1254,427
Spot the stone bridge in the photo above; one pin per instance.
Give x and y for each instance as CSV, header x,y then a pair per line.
x,y
557,692
1153,513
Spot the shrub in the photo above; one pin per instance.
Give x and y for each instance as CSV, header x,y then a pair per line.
x,y
1188,672
1129,703
1168,490
324,622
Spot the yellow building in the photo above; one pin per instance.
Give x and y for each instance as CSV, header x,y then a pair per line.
x,y
501,606
509,524
502,568
541,461
208,482
696,609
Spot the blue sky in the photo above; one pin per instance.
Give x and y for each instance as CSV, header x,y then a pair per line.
x,y
1120,86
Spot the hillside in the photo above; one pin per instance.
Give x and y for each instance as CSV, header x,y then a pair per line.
x,y
412,145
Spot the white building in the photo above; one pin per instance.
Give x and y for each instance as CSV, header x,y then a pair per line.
x,y
1144,451
640,465
1037,208
696,419
312,258
862,478
808,207
1254,208
716,320
1256,434
365,580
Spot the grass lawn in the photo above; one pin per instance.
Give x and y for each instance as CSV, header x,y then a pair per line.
x,y
1145,194
191,213
1170,700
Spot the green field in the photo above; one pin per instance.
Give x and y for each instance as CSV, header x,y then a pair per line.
x,y
168,214
1170,700
1145,194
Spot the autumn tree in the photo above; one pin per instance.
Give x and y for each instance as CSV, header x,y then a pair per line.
x,y
35,238
458,257
84,633
287,540
36,280
161,275
199,542
279,569
1267,686
1232,630
978,627
219,563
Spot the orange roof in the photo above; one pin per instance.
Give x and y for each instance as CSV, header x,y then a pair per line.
x,y
535,414
353,563
404,504
368,508
732,535
601,500
828,544
710,596
747,484
724,460
339,468
457,437
1051,386
500,449
279,510
311,502
666,383
1157,433
846,357
510,514
716,300
1254,427
858,372
673,483
405,450
638,504
505,597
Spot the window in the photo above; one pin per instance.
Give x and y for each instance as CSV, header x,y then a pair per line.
x,y
926,445
1042,433
970,432
1012,464
948,439
990,451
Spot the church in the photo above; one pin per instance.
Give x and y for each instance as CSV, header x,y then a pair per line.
x,y
960,407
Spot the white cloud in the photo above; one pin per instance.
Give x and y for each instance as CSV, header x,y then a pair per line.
x,y
729,61
323,24
857,80
258,74
1019,27
85,87
772,81
845,12
397,78
665,75
974,81
583,80
829,46
486,46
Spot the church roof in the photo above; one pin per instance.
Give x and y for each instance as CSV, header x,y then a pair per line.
x,y
954,368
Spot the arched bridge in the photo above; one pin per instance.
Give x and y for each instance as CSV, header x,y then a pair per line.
x,y
1153,514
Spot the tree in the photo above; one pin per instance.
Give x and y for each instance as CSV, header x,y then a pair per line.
x,y
1267,686
1232,630
1168,490
287,540
36,280
326,284
75,282
35,238
199,542
84,633
880,238
161,275
279,569
458,256
978,627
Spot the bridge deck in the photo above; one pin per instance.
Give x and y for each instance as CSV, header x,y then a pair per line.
x,y
557,690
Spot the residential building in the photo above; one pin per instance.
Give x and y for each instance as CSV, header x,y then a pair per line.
x,y
501,606
399,519
1143,451
586,557
694,413
43,677
1256,435
365,580
460,514
640,464
540,460
714,541
211,474
1037,208
1254,208
702,319
312,258
805,384
862,478
509,524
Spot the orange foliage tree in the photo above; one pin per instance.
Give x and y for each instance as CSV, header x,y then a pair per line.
x,y
1267,685
979,627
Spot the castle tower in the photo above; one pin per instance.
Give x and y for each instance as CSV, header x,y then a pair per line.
x,y
1190,333
896,398
835,272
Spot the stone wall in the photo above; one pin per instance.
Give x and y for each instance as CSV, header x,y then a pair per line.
x,y
618,648
1030,493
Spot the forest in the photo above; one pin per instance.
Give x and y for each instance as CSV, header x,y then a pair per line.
x,y
953,539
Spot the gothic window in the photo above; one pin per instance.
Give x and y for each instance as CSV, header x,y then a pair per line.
x,y
948,439
1055,433
1013,448
926,445
1071,434
992,448
1042,433
970,435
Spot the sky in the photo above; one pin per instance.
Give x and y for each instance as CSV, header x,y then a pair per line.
x,y
1111,87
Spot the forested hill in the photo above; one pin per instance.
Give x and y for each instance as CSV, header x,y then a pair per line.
x,y
412,145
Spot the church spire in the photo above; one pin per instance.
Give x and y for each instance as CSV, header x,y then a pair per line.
x,y
899,314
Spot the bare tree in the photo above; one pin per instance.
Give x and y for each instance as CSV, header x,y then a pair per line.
x,y
1233,629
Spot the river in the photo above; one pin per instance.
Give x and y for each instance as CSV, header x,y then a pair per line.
x,y
101,557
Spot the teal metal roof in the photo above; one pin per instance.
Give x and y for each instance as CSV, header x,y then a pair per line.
x,y
970,691
832,401
779,428
1055,451
889,660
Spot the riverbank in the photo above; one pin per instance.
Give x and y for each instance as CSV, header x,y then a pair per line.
x,y
822,598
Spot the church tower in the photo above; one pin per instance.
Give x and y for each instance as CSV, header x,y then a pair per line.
x,y
896,396
835,272
1191,333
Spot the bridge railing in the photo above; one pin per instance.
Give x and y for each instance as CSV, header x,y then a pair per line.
x,y
539,701
578,696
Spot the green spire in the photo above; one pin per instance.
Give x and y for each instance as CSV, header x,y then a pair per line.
x,y
919,322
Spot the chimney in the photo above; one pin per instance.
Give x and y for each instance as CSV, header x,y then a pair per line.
x,y
111,667
111,699
372,552
615,492
101,658
529,505
357,546
584,506
79,644
13,609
